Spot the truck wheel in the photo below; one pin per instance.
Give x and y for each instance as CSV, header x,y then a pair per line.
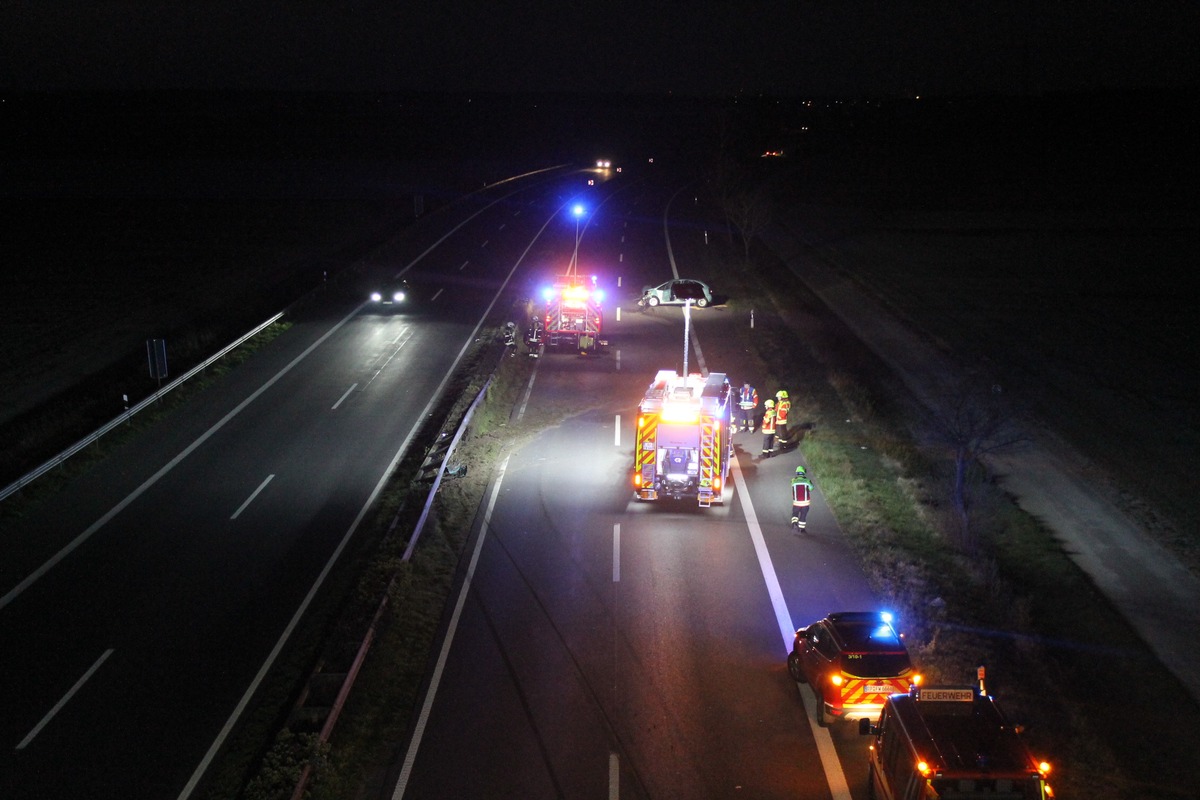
x,y
652,301
822,718
701,303
794,667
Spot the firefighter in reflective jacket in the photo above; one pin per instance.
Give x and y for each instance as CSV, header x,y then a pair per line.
x,y
768,429
747,404
801,498
782,407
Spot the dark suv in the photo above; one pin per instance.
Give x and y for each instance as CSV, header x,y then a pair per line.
x,y
853,660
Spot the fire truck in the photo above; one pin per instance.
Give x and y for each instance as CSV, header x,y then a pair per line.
x,y
950,742
573,317
684,441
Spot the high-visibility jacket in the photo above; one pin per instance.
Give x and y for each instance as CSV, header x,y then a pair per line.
x,y
782,407
768,423
801,491
748,397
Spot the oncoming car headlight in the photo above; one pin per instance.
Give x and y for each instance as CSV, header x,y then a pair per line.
x,y
376,297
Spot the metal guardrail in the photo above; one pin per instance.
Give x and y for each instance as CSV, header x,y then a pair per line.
x,y
93,437
351,674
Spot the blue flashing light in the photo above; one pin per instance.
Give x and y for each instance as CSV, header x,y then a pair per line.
x,y
548,293
598,296
577,209
886,616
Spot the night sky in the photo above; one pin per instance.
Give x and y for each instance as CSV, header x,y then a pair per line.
x,y
688,48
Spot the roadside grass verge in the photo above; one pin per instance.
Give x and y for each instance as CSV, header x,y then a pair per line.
x,y
1060,659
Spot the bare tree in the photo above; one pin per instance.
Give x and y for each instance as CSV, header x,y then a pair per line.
x,y
971,423
749,209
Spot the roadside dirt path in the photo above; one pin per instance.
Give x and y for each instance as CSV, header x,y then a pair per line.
x,y
1155,593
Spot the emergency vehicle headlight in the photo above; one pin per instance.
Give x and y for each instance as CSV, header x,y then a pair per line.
x,y
836,680
915,679
923,768
1044,768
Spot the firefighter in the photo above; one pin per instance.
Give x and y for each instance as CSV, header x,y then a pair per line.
x,y
747,405
768,429
801,498
782,407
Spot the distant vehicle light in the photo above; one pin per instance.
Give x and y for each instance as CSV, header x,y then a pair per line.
x,y
376,297
398,297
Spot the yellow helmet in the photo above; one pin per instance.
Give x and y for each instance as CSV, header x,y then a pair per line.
x,y
781,394
770,404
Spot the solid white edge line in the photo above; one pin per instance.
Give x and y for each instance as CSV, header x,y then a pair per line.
x,y
34,576
616,552
343,397
435,294
834,776
614,776
410,756
65,699
253,495
617,432
528,391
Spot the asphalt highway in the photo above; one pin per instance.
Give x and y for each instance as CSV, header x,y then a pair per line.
x,y
600,647
605,647
140,608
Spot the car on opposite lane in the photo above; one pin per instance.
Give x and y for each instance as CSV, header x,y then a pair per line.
x,y
391,296
853,660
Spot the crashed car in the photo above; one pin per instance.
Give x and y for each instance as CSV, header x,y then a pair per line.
x,y
677,293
